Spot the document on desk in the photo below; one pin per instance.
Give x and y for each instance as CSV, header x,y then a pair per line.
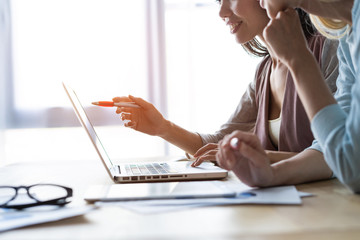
x,y
286,195
12,219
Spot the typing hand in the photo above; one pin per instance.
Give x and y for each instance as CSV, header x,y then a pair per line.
x,y
206,153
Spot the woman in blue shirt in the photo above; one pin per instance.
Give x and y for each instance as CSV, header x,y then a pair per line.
x,y
335,123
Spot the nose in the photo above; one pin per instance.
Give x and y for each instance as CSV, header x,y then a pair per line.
x,y
224,11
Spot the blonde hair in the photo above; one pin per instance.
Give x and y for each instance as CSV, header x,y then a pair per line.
x,y
330,28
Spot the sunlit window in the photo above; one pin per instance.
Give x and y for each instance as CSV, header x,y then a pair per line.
x,y
97,47
104,48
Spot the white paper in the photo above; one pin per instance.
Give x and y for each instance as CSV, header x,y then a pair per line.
x,y
11,219
286,195
305,194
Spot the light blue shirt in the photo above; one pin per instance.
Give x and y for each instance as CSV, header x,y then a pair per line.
x,y
337,127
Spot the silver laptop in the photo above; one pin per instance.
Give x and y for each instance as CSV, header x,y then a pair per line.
x,y
146,171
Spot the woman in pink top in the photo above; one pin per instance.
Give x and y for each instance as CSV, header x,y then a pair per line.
x,y
271,96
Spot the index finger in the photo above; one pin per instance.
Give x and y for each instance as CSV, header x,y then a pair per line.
x,y
121,99
205,148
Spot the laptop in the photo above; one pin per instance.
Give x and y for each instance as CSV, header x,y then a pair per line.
x,y
143,171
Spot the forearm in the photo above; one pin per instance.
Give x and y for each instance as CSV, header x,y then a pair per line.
x,y
190,142
309,82
276,156
306,166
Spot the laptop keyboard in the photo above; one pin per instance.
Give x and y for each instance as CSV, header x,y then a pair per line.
x,y
149,169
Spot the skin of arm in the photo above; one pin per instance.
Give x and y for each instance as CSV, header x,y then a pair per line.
x,y
276,156
310,84
190,142
309,165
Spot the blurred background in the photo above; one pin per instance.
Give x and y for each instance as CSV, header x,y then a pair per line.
x,y
177,54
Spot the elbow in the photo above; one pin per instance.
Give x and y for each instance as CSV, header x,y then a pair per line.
x,y
346,165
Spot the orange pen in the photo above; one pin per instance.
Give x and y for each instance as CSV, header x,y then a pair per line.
x,y
115,104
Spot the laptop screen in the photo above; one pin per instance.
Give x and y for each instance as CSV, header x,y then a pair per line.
x,y
85,122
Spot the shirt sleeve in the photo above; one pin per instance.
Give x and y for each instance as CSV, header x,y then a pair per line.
x,y
337,126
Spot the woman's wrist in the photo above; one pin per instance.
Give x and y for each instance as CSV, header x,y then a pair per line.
x,y
277,175
297,61
164,129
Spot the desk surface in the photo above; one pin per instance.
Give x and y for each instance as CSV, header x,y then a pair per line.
x,y
334,213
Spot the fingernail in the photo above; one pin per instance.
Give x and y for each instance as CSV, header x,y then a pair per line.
x,y
234,143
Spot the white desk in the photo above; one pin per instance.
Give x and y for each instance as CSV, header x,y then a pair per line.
x,y
333,214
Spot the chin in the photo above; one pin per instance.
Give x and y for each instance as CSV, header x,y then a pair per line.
x,y
242,40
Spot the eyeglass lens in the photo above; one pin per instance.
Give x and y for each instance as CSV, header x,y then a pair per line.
x,y
47,192
6,194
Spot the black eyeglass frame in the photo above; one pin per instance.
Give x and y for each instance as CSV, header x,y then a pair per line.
x,y
56,201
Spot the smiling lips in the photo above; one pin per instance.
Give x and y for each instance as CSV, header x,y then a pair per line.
x,y
233,26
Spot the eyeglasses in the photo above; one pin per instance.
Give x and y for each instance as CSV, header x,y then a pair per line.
x,y
37,194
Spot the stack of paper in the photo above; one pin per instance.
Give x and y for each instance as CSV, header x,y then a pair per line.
x,y
285,195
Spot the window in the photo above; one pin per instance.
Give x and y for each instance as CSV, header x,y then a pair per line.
x,y
98,47
177,54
